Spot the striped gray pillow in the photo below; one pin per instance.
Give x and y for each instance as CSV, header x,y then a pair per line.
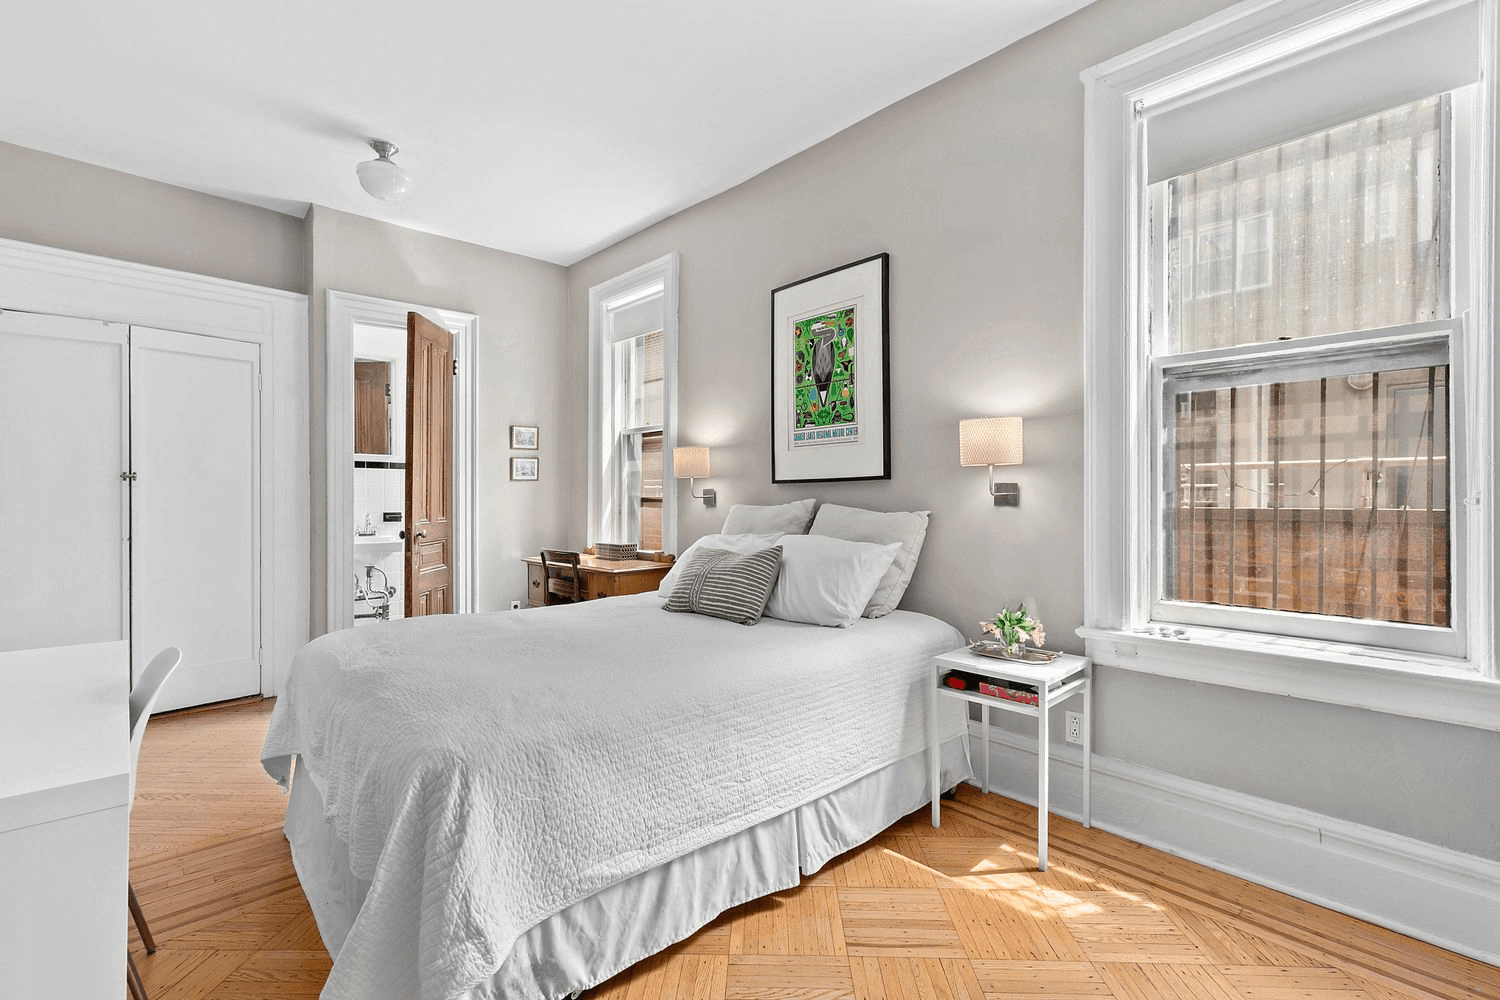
x,y
726,584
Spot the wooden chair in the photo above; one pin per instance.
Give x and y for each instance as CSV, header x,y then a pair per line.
x,y
142,700
564,581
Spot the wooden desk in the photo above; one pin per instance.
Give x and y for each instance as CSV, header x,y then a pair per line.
x,y
64,821
601,577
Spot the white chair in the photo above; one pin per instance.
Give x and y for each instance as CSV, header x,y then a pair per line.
x,y
142,699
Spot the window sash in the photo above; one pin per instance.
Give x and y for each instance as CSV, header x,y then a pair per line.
x,y
1420,344
1425,345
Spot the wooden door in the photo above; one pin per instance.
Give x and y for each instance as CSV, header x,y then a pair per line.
x,y
429,468
64,495
195,512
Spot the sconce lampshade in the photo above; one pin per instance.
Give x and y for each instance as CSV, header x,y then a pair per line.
x,y
690,463
989,441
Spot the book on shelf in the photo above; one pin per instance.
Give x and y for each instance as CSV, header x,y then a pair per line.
x,y
963,680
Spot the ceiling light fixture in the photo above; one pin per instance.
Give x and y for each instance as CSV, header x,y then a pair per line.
x,y
381,177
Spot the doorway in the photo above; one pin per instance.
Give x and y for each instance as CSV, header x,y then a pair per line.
x,y
355,322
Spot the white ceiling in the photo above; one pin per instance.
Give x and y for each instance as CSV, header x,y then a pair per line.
x,y
550,128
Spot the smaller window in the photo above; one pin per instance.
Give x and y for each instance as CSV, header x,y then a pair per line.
x,y
1215,261
1254,252
632,334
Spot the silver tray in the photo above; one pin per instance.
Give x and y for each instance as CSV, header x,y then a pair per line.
x,y
997,650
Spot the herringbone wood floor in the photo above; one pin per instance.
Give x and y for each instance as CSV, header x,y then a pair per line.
x,y
950,914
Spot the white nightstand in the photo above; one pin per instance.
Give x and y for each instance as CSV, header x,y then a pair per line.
x,y
1054,682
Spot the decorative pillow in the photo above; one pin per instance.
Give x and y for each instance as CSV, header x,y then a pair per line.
x,y
827,581
725,584
783,518
908,528
734,543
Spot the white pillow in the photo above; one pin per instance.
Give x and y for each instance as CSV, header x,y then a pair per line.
x,y
786,518
827,581
908,528
740,544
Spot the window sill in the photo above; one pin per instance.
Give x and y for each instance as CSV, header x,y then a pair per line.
x,y
1408,684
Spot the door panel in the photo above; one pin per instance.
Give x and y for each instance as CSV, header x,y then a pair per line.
x,y
195,573
429,468
63,444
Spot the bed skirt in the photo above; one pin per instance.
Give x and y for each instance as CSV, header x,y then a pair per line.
x,y
610,931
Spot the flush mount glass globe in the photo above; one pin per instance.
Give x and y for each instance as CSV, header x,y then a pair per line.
x,y
381,177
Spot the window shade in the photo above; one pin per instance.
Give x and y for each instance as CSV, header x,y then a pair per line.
x,y
640,314
1314,89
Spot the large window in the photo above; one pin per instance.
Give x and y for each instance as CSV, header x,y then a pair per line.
x,y
1290,281
632,352
1302,355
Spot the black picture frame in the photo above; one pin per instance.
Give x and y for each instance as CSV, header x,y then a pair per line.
x,y
853,443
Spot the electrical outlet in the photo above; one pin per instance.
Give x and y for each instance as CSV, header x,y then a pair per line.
x,y
515,605
1074,726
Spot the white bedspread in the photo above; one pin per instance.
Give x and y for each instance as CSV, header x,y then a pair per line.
x,y
489,770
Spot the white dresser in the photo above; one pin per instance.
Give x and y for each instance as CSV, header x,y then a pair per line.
x,y
64,821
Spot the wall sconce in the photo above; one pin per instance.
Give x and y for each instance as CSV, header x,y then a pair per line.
x,y
992,441
691,464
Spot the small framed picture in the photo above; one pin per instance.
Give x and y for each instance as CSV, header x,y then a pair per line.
x,y
523,437
523,468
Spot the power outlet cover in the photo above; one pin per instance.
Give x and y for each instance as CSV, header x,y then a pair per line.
x,y
1074,726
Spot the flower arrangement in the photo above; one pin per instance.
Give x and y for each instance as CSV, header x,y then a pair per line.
x,y
1014,628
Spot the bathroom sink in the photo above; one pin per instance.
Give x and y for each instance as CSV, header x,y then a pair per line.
x,y
377,541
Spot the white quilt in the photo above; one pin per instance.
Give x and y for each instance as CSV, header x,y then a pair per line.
x,y
489,770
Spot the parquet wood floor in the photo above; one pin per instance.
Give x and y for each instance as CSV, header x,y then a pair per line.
x,y
952,914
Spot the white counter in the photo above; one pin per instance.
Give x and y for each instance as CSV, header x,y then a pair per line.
x,y
64,820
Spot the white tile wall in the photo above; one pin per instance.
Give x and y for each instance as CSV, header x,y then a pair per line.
x,y
375,492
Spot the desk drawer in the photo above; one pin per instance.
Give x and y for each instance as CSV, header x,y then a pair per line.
x,y
536,582
616,584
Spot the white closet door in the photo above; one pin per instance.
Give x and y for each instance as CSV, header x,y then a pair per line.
x,y
195,553
63,445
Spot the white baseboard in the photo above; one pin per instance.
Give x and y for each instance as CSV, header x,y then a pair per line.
x,y
1430,893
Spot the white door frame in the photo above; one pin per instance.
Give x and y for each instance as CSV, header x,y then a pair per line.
x,y
345,309
64,283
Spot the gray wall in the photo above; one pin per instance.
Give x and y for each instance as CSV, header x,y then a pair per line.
x,y
974,186
522,376
57,202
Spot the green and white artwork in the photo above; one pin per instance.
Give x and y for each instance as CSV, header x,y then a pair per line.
x,y
830,376
825,397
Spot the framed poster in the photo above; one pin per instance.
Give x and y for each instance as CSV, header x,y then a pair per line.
x,y
830,375
523,437
523,469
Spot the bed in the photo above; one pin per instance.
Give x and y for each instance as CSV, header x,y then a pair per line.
x,y
488,805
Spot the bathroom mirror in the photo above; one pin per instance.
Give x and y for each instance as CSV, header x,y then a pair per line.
x,y
379,394
372,407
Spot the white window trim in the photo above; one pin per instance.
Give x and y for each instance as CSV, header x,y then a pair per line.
x,y
1119,573
663,270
